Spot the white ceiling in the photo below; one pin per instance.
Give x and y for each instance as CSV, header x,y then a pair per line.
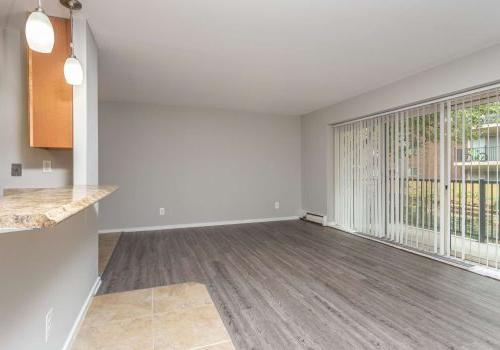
x,y
274,56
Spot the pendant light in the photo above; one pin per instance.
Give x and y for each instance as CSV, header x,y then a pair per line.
x,y
73,71
39,31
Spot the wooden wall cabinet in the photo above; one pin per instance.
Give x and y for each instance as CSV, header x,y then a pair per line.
x,y
50,97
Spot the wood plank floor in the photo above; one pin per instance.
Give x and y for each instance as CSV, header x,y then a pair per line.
x,y
296,285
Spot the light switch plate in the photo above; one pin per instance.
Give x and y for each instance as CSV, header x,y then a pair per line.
x,y
47,166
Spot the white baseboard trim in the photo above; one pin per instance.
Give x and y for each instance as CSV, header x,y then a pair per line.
x,y
81,315
200,224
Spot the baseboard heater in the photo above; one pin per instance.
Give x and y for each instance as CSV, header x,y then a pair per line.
x,y
317,219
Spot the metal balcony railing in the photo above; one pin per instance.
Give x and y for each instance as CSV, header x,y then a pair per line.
x,y
482,206
478,154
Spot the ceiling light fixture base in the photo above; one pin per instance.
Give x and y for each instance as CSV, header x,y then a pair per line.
x,y
74,5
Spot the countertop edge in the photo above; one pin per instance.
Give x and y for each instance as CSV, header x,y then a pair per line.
x,y
53,218
56,215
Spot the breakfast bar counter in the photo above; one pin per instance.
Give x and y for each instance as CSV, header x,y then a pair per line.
x,y
24,209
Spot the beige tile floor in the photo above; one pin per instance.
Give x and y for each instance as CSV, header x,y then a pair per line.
x,y
107,243
175,317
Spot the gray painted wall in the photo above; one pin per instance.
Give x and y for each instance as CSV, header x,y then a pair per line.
x,y
479,68
43,269
14,130
200,165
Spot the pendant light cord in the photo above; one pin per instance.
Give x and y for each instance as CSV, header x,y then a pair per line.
x,y
71,34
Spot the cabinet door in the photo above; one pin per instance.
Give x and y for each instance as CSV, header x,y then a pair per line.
x,y
50,97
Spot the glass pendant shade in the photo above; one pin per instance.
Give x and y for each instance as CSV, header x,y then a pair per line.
x,y
39,32
73,71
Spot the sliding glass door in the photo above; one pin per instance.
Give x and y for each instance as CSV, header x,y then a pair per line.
x,y
424,177
475,196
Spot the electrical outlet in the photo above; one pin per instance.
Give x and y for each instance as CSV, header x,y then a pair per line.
x,y
48,324
16,169
276,205
47,166
162,211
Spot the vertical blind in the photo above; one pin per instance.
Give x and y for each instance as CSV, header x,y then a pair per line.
x,y
474,175
425,177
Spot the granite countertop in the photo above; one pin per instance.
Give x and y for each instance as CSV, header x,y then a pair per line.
x,y
46,207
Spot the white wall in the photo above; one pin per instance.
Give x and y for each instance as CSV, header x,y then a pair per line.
x,y
43,269
200,165
480,68
14,129
85,108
